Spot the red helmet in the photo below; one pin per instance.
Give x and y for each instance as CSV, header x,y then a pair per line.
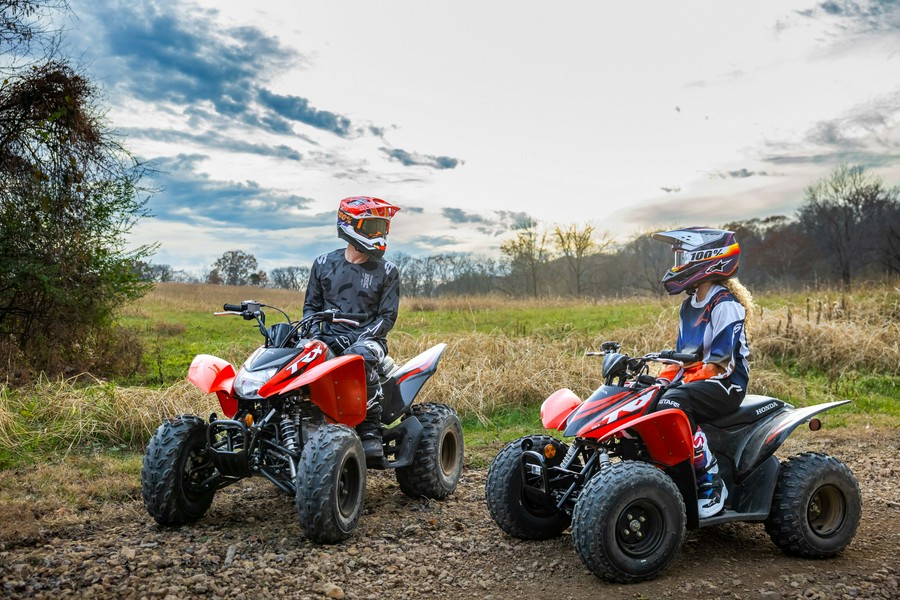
x,y
365,221
701,254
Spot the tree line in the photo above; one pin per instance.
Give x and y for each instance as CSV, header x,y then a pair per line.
x,y
846,228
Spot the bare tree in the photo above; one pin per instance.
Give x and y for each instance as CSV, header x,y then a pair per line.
x,y
646,260
290,278
575,244
26,27
841,212
527,254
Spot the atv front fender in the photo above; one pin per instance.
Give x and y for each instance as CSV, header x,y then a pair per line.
x,y
214,374
211,373
557,407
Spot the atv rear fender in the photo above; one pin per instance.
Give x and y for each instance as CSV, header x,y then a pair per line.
x,y
557,407
404,385
214,374
337,386
763,442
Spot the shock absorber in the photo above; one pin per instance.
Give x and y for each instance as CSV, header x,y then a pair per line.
x,y
571,455
289,432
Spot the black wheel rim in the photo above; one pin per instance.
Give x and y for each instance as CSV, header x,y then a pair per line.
x,y
639,528
348,488
826,511
448,452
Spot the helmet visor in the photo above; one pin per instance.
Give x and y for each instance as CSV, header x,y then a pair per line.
x,y
374,228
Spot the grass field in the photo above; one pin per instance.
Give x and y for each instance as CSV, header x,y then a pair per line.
x,y
503,358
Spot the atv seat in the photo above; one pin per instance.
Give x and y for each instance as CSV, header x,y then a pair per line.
x,y
752,409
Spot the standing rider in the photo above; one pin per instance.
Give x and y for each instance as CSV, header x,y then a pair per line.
x,y
357,279
712,325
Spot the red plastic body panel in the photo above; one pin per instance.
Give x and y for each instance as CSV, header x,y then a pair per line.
x,y
557,408
213,374
337,386
667,435
608,406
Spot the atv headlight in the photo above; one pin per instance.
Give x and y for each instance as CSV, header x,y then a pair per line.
x,y
247,383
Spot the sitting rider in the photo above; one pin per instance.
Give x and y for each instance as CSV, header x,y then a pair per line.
x,y
357,279
712,324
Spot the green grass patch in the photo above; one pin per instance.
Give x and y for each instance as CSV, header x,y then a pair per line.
x,y
548,321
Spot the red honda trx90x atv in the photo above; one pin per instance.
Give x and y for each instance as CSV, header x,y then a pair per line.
x,y
626,482
289,412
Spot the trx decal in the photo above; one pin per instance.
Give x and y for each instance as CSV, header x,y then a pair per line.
x,y
631,407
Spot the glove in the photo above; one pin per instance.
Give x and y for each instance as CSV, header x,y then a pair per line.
x,y
702,371
669,373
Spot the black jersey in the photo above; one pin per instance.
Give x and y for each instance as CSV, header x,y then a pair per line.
x,y
372,288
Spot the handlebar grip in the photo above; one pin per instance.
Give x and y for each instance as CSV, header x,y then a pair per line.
x,y
232,307
684,357
352,316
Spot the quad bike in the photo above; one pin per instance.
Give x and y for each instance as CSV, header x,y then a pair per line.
x,y
290,412
626,483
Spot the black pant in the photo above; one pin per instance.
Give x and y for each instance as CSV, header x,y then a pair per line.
x,y
702,400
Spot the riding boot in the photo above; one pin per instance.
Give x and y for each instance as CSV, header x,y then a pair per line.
x,y
370,429
711,490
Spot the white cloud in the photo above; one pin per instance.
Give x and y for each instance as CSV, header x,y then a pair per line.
x,y
569,112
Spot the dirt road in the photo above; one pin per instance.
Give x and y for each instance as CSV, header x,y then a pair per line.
x,y
251,544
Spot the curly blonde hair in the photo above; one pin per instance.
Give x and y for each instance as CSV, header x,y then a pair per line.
x,y
742,295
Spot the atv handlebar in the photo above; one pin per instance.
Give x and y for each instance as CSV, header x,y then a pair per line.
x,y
251,309
682,357
621,367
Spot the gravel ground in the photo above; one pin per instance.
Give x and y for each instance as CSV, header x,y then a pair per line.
x,y
251,544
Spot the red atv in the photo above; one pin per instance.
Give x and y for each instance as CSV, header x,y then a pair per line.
x,y
289,417
626,482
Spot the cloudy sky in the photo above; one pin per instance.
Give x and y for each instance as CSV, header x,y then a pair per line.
x,y
471,115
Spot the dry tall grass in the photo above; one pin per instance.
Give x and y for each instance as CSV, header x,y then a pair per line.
x,y
199,296
482,372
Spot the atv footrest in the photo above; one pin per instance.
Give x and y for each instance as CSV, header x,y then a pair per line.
x,y
228,443
730,515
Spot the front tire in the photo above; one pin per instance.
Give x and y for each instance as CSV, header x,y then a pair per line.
x,y
438,463
629,522
513,512
816,507
331,484
175,464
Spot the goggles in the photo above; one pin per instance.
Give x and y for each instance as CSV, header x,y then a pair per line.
x,y
373,228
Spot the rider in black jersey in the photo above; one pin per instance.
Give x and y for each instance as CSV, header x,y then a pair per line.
x,y
357,279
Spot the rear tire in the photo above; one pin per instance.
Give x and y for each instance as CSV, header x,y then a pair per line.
x,y
175,463
511,510
331,484
816,507
438,463
628,523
